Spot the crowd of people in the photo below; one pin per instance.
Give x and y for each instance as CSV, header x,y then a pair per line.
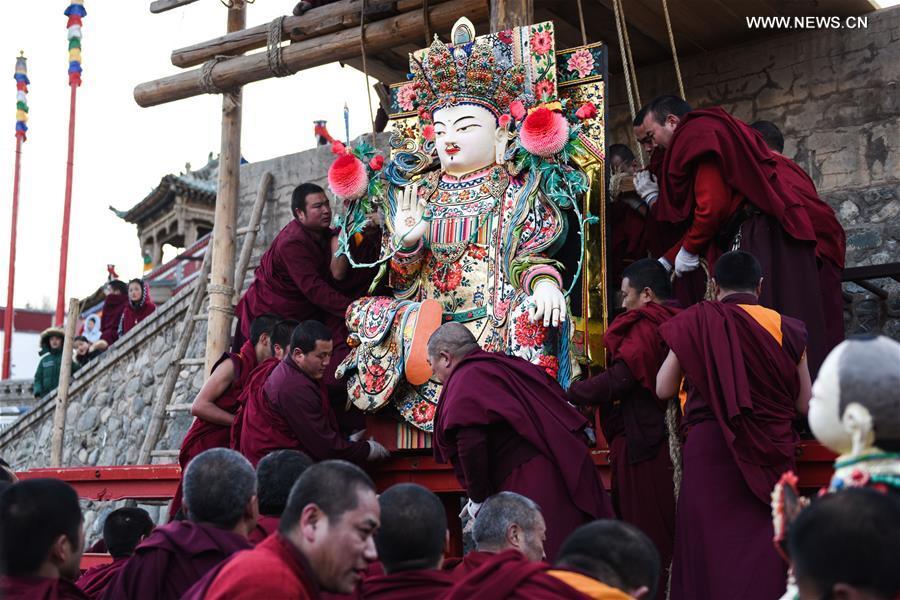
x,y
729,271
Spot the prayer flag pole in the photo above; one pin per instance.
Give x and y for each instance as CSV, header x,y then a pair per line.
x,y
21,77
75,12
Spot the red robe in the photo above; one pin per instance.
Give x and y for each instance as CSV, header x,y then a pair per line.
x,y
633,421
113,305
740,379
406,585
133,313
39,588
510,576
172,559
505,425
266,525
294,413
204,435
628,229
274,569
94,581
468,563
252,388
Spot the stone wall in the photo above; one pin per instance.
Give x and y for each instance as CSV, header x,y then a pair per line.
x,y
835,96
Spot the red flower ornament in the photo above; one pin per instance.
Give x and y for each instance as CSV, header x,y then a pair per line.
x,y
544,132
376,163
517,110
587,111
347,177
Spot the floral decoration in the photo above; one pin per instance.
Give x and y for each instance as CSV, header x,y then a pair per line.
x,y
581,62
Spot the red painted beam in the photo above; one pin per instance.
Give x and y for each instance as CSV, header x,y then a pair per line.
x,y
148,482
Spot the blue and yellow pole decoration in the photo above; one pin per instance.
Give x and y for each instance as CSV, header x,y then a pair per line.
x,y
75,12
22,82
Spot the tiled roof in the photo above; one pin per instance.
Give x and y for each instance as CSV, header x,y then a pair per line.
x,y
200,183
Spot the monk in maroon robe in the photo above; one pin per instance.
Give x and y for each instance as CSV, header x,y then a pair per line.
x,y
295,412
632,417
123,530
217,402
139,306
505,425
719,177
41,541
745,379
627,214
113,305
511,576
276,474
220,502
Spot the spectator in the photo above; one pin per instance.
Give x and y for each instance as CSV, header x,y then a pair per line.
x,y
276,473
41,541
91,329
138,308
123,530
113,306
86,351
46,378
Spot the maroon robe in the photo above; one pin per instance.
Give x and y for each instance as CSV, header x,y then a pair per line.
x,y
776,226
266,525
252,388
468,563
204,435
633,421
113,305
39,588
274,569
94,581
741,385
172,559
295,413
505,425
134,313
418,584
628,228
510,576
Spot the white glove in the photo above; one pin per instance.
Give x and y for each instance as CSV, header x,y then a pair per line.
x,y
357,435
409,224
377,451
664,262
685,262
646,187
471,508
546,302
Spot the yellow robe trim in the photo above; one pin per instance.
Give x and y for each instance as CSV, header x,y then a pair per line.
x,y
589,586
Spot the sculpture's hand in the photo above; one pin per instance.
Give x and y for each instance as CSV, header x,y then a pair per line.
x,y
547,302
409,224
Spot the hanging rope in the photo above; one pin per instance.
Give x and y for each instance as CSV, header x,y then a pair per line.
x,y
230,98
274,49
362,49
633,70
581,22
674,53
628,90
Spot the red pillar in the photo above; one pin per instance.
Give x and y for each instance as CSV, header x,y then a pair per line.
x,y
11,278
67,209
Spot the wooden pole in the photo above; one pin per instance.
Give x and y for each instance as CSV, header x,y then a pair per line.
x,y
11,277
221,285
240,272
325,49
62,390
158,410
506,14
67,211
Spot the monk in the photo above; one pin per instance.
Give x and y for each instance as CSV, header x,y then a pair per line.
x,y
296,413
410,542
280,343
627,214
41,541
609,560
745,379
276,474
632,417
831,241
719,177
113,305
324,542
509,575
217,402
505,521
221,507
123,529
505,425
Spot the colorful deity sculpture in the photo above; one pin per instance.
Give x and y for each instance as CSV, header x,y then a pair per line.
x,y
481,203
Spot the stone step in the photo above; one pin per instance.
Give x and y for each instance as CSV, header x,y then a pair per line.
x,y
178,408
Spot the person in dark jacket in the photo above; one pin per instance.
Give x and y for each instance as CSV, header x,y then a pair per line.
x,y
138,308
46,378
85,351
113,305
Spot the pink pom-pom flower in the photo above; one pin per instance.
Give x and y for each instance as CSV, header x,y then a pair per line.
x,y
587,111
428,132
347,177
504,121
544,132
338,148
376,163
517,110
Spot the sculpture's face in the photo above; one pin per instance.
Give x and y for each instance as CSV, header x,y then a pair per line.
x,y
467,138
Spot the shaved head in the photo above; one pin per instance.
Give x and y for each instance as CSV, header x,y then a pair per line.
x,y
447,346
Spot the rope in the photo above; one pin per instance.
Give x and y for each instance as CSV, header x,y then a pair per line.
x,y
274,49
581,23
362,49
628,89
231,99
633,70
674,53
427,18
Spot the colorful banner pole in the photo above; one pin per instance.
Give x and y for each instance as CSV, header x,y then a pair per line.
x,y
75,12
21,77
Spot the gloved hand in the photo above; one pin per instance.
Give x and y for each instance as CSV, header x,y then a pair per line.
x,y
377,451
471,508
646,187
547,302
409,223
664,262
685,262
357,435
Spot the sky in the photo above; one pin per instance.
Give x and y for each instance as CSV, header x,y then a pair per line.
x,y
121,149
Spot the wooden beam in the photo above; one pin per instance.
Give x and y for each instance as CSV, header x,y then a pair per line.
x,y
341,45
62,390
506,14
158,6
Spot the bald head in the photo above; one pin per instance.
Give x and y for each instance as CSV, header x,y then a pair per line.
x,y
447,346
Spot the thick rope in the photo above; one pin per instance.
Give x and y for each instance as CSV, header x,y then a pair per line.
x,y
231,99
633,71
628,90
362,50
274,49
674,53
581,23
